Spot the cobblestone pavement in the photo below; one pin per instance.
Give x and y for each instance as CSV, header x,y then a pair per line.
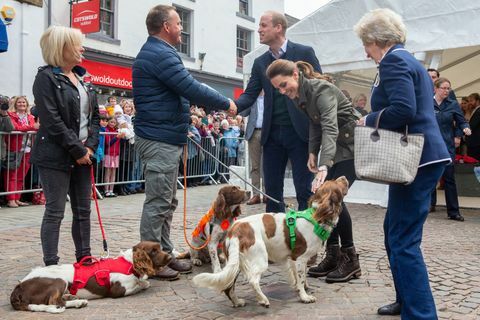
x,y
451,250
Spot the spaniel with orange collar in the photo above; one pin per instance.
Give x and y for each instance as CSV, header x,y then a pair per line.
x,y
253,241
54,288
214,225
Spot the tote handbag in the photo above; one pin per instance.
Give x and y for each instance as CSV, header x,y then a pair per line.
x,y
385,156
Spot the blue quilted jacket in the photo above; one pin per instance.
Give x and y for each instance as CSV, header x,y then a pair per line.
x,y
163,91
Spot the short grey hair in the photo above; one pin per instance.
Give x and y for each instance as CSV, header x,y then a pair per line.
x,y
382,27
156,18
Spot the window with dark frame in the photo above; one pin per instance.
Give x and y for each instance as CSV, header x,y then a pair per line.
x,y
107,17
243,7
243,45
186,17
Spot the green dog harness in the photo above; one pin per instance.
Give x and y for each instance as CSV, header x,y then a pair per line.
x,y
291,221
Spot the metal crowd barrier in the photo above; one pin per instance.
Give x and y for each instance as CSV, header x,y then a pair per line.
x,y
19,177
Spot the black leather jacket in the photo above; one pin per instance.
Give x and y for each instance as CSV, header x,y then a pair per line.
x,y
57,100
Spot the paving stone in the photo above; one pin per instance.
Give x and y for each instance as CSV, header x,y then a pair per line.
x,y
451,256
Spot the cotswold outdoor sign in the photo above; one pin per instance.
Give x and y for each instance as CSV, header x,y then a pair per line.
x,y
86,16
108,75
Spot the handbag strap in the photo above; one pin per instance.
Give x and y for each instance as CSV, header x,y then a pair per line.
x,y
375,136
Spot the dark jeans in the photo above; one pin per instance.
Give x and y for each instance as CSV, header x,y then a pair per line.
x,y
56,184
284,144
344,226
451,196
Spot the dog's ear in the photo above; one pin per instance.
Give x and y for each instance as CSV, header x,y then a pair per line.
x,y
342,182
324,208
236,212
220,206
142,263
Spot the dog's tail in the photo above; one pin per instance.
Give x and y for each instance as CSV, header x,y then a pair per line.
x,y
224,279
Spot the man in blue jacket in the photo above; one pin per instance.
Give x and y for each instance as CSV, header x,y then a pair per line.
x,y
285,127
163,91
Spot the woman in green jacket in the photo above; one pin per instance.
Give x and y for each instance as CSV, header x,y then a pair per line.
x,y
332,121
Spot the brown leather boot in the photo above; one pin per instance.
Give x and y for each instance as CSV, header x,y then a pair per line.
x,y
166,273
348,267
328,264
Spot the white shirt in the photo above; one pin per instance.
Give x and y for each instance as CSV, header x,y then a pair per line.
x,y
281,51
259,122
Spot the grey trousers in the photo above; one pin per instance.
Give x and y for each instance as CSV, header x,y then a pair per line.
x,y
160,165
255,154
56,184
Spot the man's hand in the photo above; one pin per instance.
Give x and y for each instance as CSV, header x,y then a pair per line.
x,y
85,160
467,131
232,110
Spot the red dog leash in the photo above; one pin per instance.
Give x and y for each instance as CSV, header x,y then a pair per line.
x,y
106,252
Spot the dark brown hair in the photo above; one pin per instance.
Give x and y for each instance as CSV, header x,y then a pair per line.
x,y
156,17
286,68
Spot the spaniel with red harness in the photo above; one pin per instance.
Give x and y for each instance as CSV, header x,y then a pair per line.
x,y
54,288
291,238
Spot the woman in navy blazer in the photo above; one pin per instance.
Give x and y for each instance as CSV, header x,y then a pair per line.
x,y
404,90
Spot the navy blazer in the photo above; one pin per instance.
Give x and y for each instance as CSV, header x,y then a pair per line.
x,y
259,81
404,89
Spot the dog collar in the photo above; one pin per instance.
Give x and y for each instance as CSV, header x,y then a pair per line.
x,y
318,229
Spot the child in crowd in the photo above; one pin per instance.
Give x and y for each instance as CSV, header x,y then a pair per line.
x,y
112,155
100,152
110,106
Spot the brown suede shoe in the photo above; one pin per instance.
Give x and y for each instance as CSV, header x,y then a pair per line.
x,y
167,274
254,200
182,266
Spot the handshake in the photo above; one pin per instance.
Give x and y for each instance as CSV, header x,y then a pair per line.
x,y
232,110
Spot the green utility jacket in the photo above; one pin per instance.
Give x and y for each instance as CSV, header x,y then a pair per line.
x,y
332,120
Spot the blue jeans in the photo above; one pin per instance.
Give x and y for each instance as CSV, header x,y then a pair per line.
x,y
403,226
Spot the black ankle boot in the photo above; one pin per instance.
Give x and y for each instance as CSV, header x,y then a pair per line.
x,y
348,267
328,264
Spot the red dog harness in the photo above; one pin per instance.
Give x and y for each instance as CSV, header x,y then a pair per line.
x,y
100,269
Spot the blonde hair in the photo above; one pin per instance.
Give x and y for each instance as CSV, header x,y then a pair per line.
x,y
13,105
55,40
382,27
358,97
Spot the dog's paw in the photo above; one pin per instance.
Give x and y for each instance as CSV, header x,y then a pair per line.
x,y
144,284
309,299
79,303
240,303
264,302
197,262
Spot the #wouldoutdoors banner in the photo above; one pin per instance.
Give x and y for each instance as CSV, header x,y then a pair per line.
x,y
86,16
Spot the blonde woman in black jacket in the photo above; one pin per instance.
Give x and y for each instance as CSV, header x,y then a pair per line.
x,y
332,120
66,140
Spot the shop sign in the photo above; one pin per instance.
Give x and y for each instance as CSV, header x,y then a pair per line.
x,y
108,75
86,16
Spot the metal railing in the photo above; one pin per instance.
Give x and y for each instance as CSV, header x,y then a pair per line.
x,y
19,176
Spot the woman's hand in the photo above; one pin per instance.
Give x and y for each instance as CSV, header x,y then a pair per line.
x,y
312,163
467,131
361,121
319,178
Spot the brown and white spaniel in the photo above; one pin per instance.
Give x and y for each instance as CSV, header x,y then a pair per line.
x,y
254,240
215,223
54,288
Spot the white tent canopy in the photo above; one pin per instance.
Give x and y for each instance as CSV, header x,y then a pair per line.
x,y
444,34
